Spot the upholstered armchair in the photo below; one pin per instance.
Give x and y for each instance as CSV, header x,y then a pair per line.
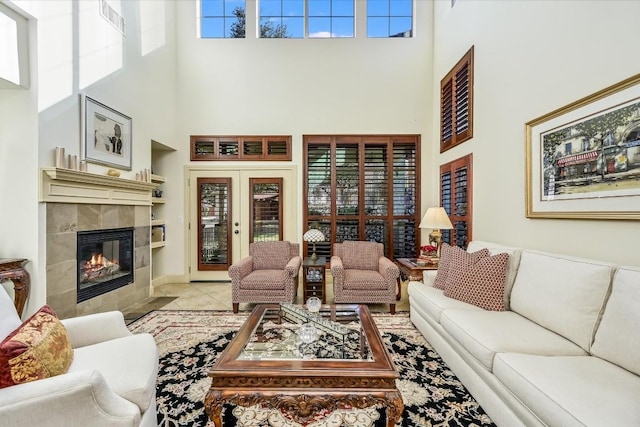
x,y
362,274
268,275
91,371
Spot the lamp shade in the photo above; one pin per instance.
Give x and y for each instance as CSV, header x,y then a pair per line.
x,y
313,235
435,218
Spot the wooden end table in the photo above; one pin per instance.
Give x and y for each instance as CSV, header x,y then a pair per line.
x,y
13,269
313,278
409,269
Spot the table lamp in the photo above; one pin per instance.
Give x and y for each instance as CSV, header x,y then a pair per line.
x,y
313,235
437,219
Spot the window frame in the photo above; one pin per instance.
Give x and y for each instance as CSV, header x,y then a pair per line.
x,y
451,87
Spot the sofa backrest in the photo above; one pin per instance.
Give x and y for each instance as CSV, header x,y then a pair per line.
x,y
617,339
562,293
9,319
512,264
272,255
359,255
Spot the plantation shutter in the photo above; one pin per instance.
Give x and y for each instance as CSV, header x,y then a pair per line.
x,y
456,104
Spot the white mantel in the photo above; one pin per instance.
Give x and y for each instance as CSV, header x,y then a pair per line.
x,y
58,185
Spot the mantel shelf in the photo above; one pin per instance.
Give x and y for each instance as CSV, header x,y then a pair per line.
x,y
73,186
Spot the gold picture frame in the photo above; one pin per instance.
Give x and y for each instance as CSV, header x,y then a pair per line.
x,y
583,160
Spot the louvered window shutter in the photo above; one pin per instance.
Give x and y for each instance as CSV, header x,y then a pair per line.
x,y
456,104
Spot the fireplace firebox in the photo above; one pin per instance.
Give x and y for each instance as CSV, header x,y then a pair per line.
x,y
105,261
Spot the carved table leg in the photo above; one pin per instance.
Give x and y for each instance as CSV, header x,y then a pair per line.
x,y
213,403
12,269
394,408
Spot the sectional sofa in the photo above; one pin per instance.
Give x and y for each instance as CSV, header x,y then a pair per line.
x,y
565,352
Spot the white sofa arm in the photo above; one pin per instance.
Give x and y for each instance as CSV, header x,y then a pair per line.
x,y
81,398
95,328
429,276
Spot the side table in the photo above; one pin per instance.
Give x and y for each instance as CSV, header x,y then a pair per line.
x,y
13,269
313,278
409,269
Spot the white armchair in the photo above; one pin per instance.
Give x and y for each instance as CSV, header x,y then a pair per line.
x,y
110,382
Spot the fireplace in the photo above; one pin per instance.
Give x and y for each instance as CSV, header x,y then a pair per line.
x,y
105,261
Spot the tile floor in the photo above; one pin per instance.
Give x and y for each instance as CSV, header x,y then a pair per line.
x,y
217,296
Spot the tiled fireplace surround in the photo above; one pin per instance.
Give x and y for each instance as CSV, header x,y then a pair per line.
x,y
77,201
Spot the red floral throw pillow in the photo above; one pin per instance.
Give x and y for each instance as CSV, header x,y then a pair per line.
x,y
453,258
480,283
39,348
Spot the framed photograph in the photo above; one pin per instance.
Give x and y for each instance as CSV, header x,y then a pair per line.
x,y
107,135
583,160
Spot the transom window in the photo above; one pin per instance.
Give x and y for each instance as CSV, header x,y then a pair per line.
x,y
281,18
331,18
305,18
389,18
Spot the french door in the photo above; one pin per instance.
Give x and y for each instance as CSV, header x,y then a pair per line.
x,y
231,207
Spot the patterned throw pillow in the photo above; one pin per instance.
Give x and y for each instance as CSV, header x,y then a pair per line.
x,y
480,283
39,348
452,258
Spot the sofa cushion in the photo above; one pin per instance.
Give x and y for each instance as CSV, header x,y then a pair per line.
x,y
481,283
454,259
512,265
270,255
264,279
572,391
617,339
363,279
9,319
432,300
485,333
561,293
129,365
360,255
39,348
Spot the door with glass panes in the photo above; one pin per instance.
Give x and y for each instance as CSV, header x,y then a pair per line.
x,y
232,207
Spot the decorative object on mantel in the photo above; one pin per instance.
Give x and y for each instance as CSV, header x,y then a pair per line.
x,y
113,172
144,175
60,160
437,219
106,133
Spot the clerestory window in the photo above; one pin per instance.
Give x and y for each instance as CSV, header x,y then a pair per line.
x,y
389,18
222,19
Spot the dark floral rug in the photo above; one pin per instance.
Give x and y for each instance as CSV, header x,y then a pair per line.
x,y
190,341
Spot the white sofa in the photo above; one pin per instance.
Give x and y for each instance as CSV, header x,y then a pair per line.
x,y
110,382
565,353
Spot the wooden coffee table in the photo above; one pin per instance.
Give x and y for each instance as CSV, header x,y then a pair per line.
x,y
266,363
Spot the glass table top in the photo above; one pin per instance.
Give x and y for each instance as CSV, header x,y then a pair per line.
x,y
290,332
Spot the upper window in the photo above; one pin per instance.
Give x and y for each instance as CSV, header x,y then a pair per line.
x,y
389,18
222,18
281,19
331,18
456,104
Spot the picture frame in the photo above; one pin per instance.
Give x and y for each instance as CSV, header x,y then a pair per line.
x,y
106,135
583,160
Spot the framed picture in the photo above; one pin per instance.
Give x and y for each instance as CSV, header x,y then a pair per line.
x,y
107,135
583,160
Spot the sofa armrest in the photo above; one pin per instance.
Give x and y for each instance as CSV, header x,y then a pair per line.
x,y
388,269
429,276
95,328
293,266
240,269
337,271
80,398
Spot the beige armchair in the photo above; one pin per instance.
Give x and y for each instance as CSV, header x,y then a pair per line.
x,y
111,379
268,275
362,274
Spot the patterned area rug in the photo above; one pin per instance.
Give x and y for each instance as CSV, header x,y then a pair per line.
x,y
190,341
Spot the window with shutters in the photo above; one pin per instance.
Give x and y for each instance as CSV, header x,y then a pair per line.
x,y
363,188
456,189
257,148
456,104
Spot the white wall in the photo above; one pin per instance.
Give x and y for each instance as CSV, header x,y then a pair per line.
x,y
294,87
532,57
80,52
19,224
